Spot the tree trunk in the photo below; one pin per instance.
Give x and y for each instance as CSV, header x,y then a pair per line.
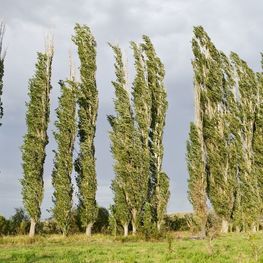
x,y
88,229
237,229
125,228
32,228
134,230
225,225
254,228
134,219
159,226
203,231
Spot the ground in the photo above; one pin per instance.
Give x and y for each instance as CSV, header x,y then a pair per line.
x,y
54,248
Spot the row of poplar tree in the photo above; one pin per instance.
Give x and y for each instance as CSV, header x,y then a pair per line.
x,y
224,149
225,145
141,188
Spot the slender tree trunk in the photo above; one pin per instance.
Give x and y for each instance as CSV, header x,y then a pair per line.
x,y
159,226
254,228
134,219
88,229
125,228
32,228
237,229
203,231
225,226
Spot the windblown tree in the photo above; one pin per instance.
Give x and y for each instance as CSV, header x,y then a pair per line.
x,y
250,94
197,176
127,148
214,83
63,163
2,58
159,181
258,138
36,138
87,113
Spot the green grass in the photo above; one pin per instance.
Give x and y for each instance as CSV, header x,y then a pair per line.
x,y
229,248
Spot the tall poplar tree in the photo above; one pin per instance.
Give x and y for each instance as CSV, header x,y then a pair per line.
x,y
214,83
88,108
2,58
63,163
36,138
159,181
258,138
127,148
249,97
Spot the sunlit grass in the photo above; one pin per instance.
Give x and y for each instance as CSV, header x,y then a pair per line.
x,y
99,248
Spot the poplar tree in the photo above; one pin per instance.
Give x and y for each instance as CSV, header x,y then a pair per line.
x,y
197,176
2,58
127,147
159,181
36,138
63,163
214,83
250,126
258,138
87,113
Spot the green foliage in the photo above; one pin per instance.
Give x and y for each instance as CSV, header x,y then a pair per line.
x,y
63,163
36,138
137,134
218,122
131,181
159,181
88,108
197,176
3,226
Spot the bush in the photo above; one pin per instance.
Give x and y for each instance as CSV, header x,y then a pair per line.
x,y
102,222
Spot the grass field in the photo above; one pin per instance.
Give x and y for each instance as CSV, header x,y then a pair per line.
x,y
229,248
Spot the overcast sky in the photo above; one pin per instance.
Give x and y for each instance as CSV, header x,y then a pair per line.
x,y
232,24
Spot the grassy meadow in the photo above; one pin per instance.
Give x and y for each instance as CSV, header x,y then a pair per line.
x,y
175,248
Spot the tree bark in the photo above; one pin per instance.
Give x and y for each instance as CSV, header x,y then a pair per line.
x,y
134,218
225,226
32,228
159,226
237,229
88,229
125,228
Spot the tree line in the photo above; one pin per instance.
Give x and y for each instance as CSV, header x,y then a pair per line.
x,y
223,150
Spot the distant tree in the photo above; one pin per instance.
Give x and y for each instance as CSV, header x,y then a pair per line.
x,y
3,225
2,58
159,181
19,222
63,164
87,113
36,138
102,223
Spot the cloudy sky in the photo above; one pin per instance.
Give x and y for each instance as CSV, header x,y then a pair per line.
x,y
232,24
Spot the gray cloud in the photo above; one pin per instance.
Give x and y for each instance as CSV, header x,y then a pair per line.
x,y
232,25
